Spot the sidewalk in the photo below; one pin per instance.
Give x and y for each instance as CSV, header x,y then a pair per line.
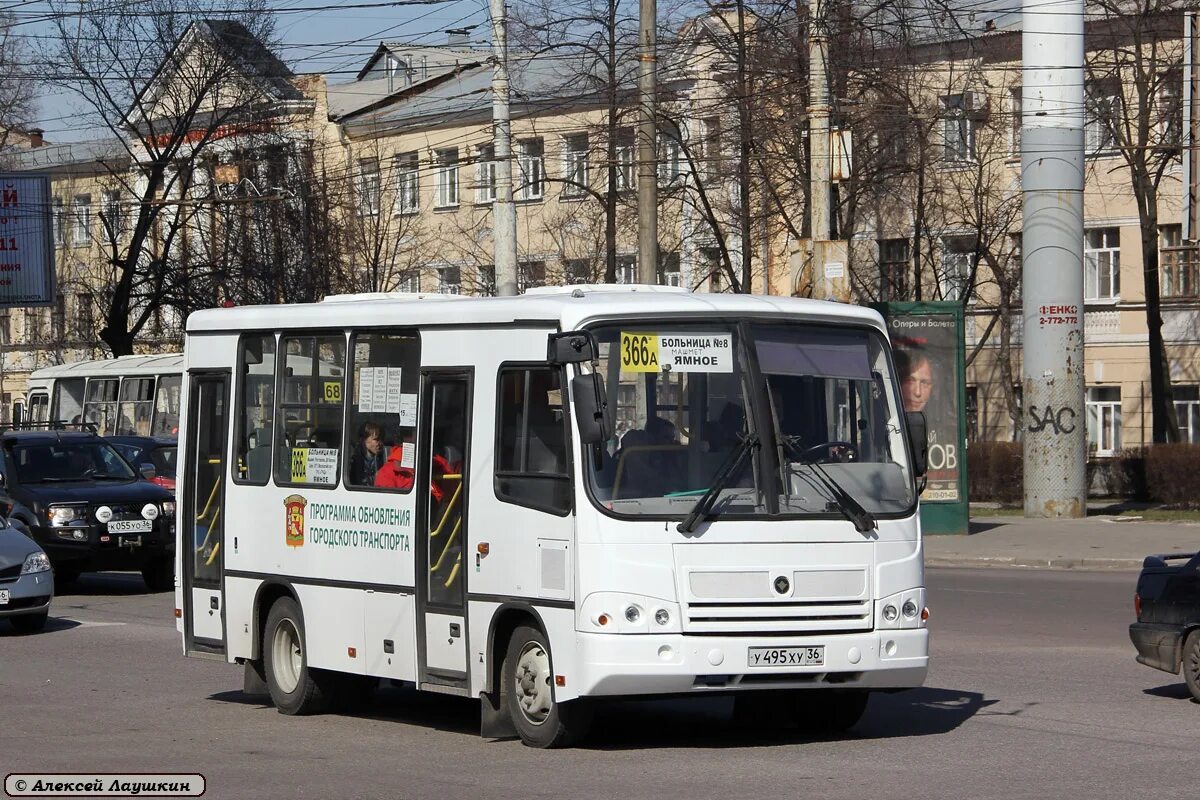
x,y
1098,542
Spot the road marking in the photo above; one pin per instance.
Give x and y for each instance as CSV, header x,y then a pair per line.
x,y
87,623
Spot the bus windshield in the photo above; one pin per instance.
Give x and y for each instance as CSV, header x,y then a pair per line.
x,y
826,408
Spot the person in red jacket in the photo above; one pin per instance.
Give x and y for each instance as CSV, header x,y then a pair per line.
x,y
394,475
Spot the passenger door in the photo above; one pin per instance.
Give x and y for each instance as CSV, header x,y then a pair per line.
x,y
203,534
442,480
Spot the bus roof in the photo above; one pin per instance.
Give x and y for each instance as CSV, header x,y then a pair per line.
x,y
567,307
113,367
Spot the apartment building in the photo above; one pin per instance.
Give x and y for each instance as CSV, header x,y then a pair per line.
x,y
952,224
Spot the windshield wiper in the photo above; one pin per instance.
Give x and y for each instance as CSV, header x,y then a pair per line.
x,y
732,463
863,521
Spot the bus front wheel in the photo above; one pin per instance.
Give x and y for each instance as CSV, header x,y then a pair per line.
x,y
292,685
529,689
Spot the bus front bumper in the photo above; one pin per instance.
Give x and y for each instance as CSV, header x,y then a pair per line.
x,y
633,664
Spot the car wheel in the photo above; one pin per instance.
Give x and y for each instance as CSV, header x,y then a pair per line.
x,y
1191,663
293,686
830,711
159,574
30,623
528,682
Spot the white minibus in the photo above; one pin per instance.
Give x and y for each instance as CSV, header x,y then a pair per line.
x,y
548,500
127,396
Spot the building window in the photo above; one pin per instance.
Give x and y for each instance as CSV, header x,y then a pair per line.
x,y
531,161
1018,426
408,186
710,147
113,215
1103,408
487,281
958,259
1170,109
1102,263
81,212
531,441
1103,108
895,260
626,162
670,159
60,222
530,274
668,270
1187,412
449,280
368,187
577,270
1176,263
5,326
410,281
446,178
1014,126
626,269
58,319
33,325
972,413
85,319
485,174
575,165
959,123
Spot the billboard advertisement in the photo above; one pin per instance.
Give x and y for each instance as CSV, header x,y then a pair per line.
x,y
928,348
26,241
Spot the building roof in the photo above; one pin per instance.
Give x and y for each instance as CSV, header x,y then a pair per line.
x,y
61,157
233,40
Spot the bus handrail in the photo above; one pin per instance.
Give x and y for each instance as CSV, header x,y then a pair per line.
x,y
449,506
211,496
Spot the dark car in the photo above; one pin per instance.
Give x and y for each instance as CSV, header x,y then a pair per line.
x,y
154,456
87,507
1167,604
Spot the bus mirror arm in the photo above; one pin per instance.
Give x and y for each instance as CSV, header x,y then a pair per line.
x,y
918,441
591,408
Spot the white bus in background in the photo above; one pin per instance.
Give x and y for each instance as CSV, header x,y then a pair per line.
x,y
754,532
127,396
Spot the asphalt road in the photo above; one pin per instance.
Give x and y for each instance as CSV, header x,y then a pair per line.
x,y
1033,693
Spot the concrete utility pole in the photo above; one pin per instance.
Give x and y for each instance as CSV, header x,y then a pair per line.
x,y
1052,119
504,213
818,124
647,187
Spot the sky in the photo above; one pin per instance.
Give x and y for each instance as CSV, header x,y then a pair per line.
x,y
334,41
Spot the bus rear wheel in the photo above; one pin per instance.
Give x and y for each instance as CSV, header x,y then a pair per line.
x,y
293,686
540,720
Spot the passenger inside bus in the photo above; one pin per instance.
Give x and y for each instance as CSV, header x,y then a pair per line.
x,y
368,456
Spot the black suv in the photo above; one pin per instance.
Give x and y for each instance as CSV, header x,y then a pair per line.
x,y
87,507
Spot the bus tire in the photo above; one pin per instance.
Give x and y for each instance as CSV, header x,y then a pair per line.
x,y
529,690
293,686
829,712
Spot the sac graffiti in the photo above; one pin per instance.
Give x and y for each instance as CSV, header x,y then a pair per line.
x,y
1058,420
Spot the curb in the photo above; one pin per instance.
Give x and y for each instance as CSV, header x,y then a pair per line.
x,y
1059,563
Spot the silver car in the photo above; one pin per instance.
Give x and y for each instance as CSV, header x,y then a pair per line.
x,y
26,581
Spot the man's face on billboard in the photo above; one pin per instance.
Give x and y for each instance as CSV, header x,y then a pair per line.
x,y
917,386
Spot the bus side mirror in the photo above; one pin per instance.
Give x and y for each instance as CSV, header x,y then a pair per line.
x,y
572,347
918,440
591,408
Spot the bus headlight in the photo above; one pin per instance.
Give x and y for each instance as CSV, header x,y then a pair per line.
x,y
617,612
901,610
909,609
889,612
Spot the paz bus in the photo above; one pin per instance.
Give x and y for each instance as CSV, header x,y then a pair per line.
x,y
128,396
543,501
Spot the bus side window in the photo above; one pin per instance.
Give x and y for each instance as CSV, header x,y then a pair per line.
x,y
382,418
255,419
68,399
308,435
100,407
166,406
531,439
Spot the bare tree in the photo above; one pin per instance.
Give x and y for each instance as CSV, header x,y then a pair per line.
x,y
168,80
18,82
1134,87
